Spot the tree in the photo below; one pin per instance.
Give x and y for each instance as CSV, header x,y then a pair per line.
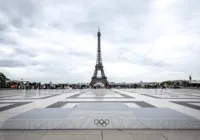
x,y
2,80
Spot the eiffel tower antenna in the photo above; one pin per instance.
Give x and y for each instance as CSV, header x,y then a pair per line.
x,y
99,64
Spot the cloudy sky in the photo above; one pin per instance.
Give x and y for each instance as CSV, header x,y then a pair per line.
x,y
149,40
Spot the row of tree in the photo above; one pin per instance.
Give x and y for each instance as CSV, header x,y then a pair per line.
x,y
7,83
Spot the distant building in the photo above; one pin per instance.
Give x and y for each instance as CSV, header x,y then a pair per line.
x,y
195,81
147,83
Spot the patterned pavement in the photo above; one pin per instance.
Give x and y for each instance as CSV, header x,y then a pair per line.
x,y
93,103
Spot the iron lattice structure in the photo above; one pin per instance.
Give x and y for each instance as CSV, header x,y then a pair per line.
x,y
99,65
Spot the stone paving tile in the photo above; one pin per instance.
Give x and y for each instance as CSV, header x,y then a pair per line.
x,y
118,137
10,132
116,132
188,104
125,95
143,104
57,105
149,137
74,96
135,132
181,135
73,132
26,132
71,137
26,135
99,134
12,105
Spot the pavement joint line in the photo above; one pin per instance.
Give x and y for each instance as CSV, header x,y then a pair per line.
x,y
132,136
163,136
101,134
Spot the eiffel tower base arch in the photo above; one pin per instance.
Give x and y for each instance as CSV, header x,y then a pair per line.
x,y
102,80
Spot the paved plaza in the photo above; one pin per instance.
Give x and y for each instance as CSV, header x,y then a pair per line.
x,y
100,114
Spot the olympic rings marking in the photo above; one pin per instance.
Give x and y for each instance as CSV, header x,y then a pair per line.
x,y
101,122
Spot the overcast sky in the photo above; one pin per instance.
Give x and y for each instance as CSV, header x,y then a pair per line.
x,y
149,40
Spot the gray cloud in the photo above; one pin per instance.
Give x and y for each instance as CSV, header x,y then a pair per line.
x,y
105,14
19,12
83,54
22,51
11,63
7,40
142,60
3,27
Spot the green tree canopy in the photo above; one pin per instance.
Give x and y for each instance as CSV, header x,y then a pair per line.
x,y
3,79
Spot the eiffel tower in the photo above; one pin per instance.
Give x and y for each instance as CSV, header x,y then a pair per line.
x,y
99,65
